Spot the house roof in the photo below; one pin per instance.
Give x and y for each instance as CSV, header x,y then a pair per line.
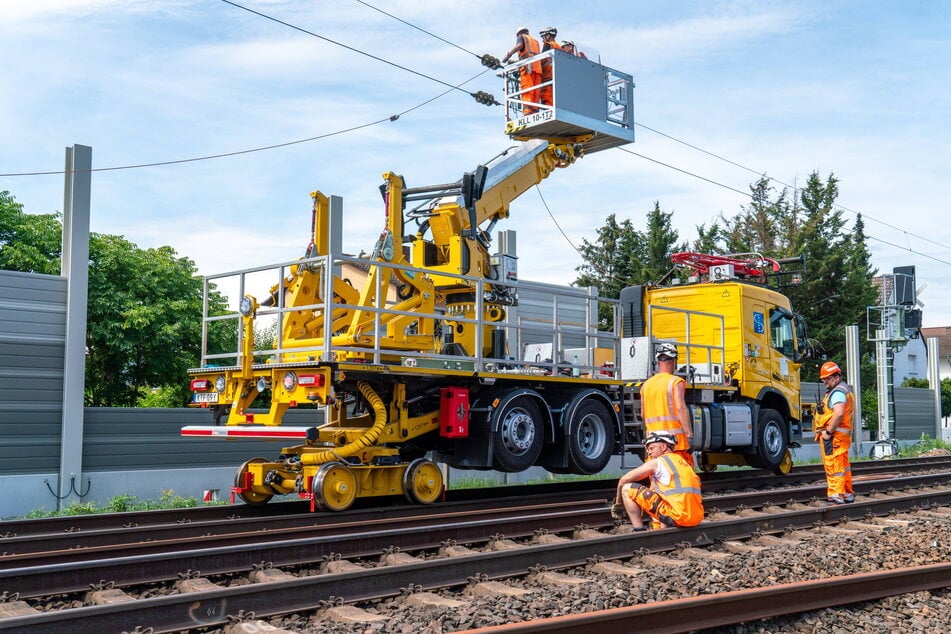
x,y
943,335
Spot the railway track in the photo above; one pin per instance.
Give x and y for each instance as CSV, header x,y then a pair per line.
x,y
171,583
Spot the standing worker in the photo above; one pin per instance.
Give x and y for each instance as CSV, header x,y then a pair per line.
x,y
834,433
548,36
530,75
663,408
673,497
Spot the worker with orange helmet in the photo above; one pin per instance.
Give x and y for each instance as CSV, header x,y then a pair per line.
x,y
549,42
834,433
663,407
673,497
530,75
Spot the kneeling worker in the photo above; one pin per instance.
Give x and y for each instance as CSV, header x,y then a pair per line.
x,y
673,497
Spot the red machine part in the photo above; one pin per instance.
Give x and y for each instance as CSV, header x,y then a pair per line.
x,y
453,412
748,265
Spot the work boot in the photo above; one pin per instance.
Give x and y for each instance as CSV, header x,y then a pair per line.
x,y
835,499
849,498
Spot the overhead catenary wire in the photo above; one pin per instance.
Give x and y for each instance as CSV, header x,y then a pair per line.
x,y
482,98
784,184
478,96
750,195
209,157
685,143
418,28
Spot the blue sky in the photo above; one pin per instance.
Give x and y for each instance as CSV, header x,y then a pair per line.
x,y
859,89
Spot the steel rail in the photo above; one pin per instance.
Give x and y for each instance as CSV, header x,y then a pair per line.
x,y
22,530
75,570
284,524
739,606
210,608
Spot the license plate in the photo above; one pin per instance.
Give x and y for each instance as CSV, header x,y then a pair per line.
x,y
206,397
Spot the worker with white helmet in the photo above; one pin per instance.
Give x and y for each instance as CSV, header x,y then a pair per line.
x,y
663,408
530,75
673,497
548,35
569,47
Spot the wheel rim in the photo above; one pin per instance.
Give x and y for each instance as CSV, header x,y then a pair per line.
x,y
591,436
517,431
252,497
423,481
334,487
773,441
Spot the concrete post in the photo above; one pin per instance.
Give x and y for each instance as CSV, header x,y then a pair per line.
x,y
75,268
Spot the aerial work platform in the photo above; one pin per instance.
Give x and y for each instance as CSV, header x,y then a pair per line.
x,y
589,102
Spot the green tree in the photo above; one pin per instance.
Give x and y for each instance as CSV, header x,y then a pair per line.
x,y
144,327
28,242
608,262
623,256
144,308
945,388
945,397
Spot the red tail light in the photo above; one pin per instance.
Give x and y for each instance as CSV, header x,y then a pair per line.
x,y
200,385
311,379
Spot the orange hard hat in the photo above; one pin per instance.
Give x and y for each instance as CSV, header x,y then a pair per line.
x,y
828,369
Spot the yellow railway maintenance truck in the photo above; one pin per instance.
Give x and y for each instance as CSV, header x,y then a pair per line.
x,y
431,350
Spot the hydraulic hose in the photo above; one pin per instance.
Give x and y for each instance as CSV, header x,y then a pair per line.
x,y
364,441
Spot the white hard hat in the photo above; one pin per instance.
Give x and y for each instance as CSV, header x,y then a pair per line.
x,y
521,29
548,30
661,436
665,350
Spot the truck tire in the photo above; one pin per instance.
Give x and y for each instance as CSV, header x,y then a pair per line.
x,y
517,442
590,438
770,440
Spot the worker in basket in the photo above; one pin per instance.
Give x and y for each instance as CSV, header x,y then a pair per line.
x,y
530,75
673,497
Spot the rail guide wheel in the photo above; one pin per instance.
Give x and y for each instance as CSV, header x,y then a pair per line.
x,y
785,465
334,487
705,465
422,481
250,496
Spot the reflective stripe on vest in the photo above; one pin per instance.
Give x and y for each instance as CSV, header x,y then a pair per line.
x,y
530,48
660,402
683,481
845,425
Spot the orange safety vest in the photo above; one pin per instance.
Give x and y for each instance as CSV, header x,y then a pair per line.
x,y
844,430
530,48
660,413
682,493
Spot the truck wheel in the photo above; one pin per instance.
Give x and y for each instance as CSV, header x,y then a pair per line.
x,y
771,438
590,438
518,441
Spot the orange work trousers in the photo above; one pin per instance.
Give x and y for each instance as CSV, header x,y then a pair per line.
x,y
528,83
835,460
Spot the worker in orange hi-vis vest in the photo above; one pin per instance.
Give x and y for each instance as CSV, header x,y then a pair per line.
x,y
673,497
530,75
663,408
548,43
833,430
